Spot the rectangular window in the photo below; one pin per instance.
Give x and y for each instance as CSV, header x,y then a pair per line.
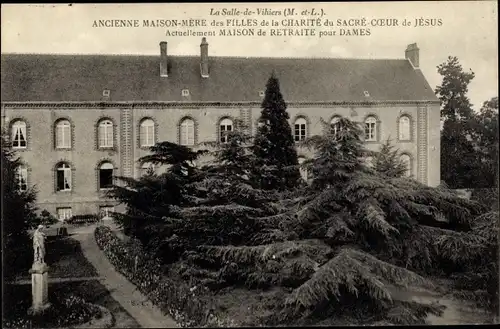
x,y
106,212
147,136
106,135
187,134
22,178
300,132
370,131
64,213
105,178
63,179
19,136
63,136
223,135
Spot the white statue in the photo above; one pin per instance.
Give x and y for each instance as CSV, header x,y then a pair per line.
x,y
39,245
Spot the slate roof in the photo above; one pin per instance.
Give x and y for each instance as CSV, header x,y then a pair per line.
x,y
34,77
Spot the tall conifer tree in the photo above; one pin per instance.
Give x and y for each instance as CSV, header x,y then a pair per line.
x,y
274,148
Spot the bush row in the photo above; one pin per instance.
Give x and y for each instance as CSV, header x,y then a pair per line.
x,y
83,219
173,297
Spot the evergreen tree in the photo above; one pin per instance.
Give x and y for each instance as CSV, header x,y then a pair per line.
x,y
18,214
151,198
351,235
387,161
458,159
223,212
485,143
274,146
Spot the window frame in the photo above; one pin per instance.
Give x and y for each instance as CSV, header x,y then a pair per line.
x,y
109,134
187,128
62,126
409,127
149,135
22,172
66,210
105,210
371,127
300,127
223,138
19,124
409,167
100,179
67,173
335,126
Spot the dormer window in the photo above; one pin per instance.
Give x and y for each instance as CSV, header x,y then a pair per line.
x,y
105,93
185,92
261,93
367,94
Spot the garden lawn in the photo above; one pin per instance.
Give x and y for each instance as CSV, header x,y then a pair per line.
x,y
17,300
65,259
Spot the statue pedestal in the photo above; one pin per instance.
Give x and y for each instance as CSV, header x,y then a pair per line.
x,y
39,288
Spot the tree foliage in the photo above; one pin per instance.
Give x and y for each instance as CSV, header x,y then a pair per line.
x,y
18,213
151,198
352,234
469,140
485,143
387,161
274,147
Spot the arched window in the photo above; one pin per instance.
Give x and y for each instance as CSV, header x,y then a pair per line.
x,y
303,171
63,177
63,134
370,129
18,134
106,175
404,128
335,125
22,178
147,133
225,126
187,132
105,133
406,159
300,127
147,168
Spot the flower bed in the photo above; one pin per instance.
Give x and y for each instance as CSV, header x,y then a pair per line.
x,y
65,310
187,305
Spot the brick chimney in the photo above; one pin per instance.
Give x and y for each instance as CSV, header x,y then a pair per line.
x,y
412,54
204,58
163,59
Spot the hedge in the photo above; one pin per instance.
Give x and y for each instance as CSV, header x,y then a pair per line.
x,y
83,219
173,297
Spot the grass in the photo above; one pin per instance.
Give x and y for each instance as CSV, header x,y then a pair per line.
x,y
17,299
66,309
65,259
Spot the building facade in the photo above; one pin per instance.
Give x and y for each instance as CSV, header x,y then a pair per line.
x,y
79,120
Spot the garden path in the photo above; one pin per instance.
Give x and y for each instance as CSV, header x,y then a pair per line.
x,y
124,292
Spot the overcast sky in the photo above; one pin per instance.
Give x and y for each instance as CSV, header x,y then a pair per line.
x,y
468,31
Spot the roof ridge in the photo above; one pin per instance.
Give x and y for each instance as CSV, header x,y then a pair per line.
x,y
222,57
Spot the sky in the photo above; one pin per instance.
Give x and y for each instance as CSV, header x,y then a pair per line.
x,y
468,30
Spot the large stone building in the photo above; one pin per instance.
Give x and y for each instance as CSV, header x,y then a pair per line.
x,y
78,120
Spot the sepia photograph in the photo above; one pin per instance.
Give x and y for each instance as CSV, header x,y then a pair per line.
x,y
249,164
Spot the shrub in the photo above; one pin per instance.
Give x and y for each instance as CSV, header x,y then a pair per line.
x,y
182,302
83,219
486,196
66,310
